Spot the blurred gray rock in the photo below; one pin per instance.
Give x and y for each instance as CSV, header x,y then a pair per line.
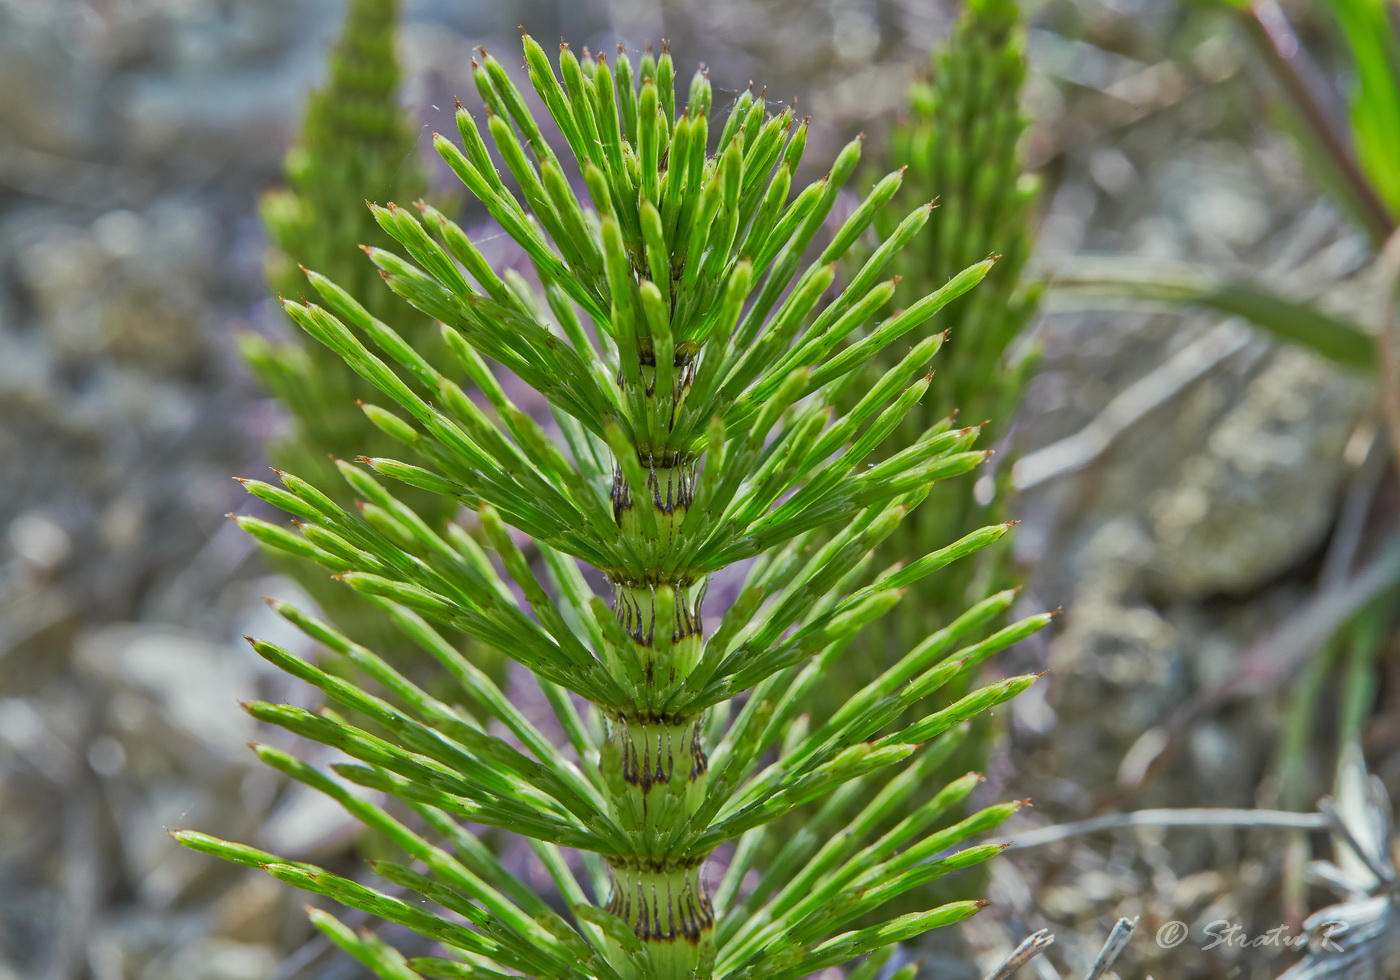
x,y
1261,491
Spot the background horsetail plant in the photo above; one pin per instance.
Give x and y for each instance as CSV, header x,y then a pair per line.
x,y
356,144
694,353
960,141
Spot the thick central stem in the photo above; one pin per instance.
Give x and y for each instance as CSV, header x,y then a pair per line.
x,y
652,759
656,772
669,909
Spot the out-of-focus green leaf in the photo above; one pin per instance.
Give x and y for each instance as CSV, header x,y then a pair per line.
x,y
1375,96
1089,282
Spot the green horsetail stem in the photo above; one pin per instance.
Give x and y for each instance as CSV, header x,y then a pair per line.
x,y
695,347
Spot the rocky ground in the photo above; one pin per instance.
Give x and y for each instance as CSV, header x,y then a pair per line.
x,y
134,138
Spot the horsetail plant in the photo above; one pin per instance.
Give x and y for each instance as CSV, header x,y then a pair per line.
x,y
356,144
693,347
961,142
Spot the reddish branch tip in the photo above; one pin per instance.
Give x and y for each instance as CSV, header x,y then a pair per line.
x,y
249,638
269,600
241,480
456,102
665,46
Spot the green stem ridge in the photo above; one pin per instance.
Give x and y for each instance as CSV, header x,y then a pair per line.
x,y
695,348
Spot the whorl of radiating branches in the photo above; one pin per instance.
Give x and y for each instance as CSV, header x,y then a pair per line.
x,y
698,356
